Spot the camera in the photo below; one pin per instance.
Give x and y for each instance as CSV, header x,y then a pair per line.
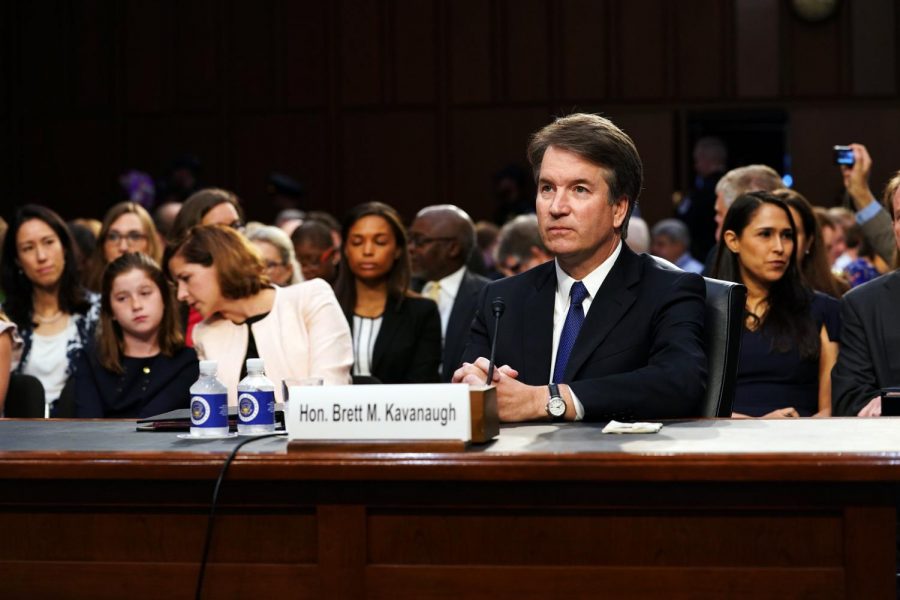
x,y
843,155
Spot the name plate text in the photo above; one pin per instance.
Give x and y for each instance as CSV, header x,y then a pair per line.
x,y
379,412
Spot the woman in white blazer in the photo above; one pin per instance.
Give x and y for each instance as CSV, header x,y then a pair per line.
x,y
299,331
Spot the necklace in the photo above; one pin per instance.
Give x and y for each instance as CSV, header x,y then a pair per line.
x,y
48,320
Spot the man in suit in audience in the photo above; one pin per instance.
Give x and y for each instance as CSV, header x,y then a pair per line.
x,y
441,239
614,333
869,359
520,247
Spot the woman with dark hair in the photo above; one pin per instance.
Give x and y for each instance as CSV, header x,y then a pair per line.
x,y
210,206
55,315
812,256
396,333
140,366
298,330
127,227
789,341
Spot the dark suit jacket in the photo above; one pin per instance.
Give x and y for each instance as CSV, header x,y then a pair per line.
x,y
639,354
408,347
460,322
870,344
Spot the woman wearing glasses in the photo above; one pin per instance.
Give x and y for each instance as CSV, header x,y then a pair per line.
x,y
127,227
278,254
54,314
396,333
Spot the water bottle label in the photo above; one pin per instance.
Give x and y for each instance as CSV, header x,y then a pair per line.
x,y
209,410
256,408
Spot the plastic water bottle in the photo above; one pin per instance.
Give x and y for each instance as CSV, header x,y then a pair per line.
x,y
256,400
209,403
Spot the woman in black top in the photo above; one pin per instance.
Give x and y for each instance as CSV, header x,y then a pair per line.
x,y
140,366
396,333
790,338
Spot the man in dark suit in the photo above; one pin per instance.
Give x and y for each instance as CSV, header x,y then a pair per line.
x,y
615,334
869,359
441,239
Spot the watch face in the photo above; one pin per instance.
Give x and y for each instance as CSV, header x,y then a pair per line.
x,y
556,407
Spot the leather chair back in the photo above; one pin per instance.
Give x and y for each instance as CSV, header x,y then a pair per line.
x,y
24,397
724,321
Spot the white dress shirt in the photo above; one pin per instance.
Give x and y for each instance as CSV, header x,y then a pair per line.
x,y
449,287
592,282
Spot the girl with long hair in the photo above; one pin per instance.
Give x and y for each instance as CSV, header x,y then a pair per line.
x,y
140,366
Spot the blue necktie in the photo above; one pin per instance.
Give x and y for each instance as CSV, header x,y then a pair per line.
x,y
574,319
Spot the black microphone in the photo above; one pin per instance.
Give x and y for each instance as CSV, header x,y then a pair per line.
x,y
497,307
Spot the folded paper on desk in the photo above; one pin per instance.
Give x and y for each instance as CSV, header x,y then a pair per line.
x,y
616,427
180,420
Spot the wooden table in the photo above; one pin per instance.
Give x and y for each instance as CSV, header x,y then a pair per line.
x,y
704,509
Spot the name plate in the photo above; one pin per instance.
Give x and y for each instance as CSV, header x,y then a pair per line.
x,y
379,412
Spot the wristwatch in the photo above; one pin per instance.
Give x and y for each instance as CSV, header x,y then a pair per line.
x,y
556,406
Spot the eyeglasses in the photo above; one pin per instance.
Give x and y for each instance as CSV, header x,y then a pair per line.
x,y
513,267
131,238
271,264
424,240
312,261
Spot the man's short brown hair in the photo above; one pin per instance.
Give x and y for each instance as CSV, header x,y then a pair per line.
x,y
598,140
239,267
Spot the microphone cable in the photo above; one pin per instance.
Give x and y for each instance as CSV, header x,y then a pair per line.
x,y
215,500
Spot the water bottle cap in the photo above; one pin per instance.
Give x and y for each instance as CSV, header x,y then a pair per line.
x,y
209,367
255,364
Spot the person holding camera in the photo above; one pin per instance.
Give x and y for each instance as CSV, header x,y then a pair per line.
x,y
873,219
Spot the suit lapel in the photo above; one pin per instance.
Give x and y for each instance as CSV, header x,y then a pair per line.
x,y
613,300
537,327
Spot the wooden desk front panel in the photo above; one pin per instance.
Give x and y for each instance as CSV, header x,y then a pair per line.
x,y
367,539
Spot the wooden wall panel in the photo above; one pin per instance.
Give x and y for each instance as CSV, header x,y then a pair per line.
x,y
362,52
814,131
404,176
196,59
700,54
585,46
7,44
306,54
289,144
92,36
152,142
874,47
471,58
653,134
415,51
71,164
43,34
253,59
641,36
757,48
816,57
527,51
145,52
484,141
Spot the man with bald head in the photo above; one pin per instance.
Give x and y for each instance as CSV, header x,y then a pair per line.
x,y
441,239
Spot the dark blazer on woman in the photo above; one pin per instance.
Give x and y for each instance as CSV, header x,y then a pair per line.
x,y
148,386
870,345
408,346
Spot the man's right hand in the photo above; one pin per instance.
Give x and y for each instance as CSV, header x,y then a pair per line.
x,y
856,177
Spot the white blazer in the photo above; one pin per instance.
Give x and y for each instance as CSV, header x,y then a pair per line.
x,y
305,335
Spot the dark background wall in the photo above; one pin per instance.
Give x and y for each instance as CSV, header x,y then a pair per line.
x,y
419,101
